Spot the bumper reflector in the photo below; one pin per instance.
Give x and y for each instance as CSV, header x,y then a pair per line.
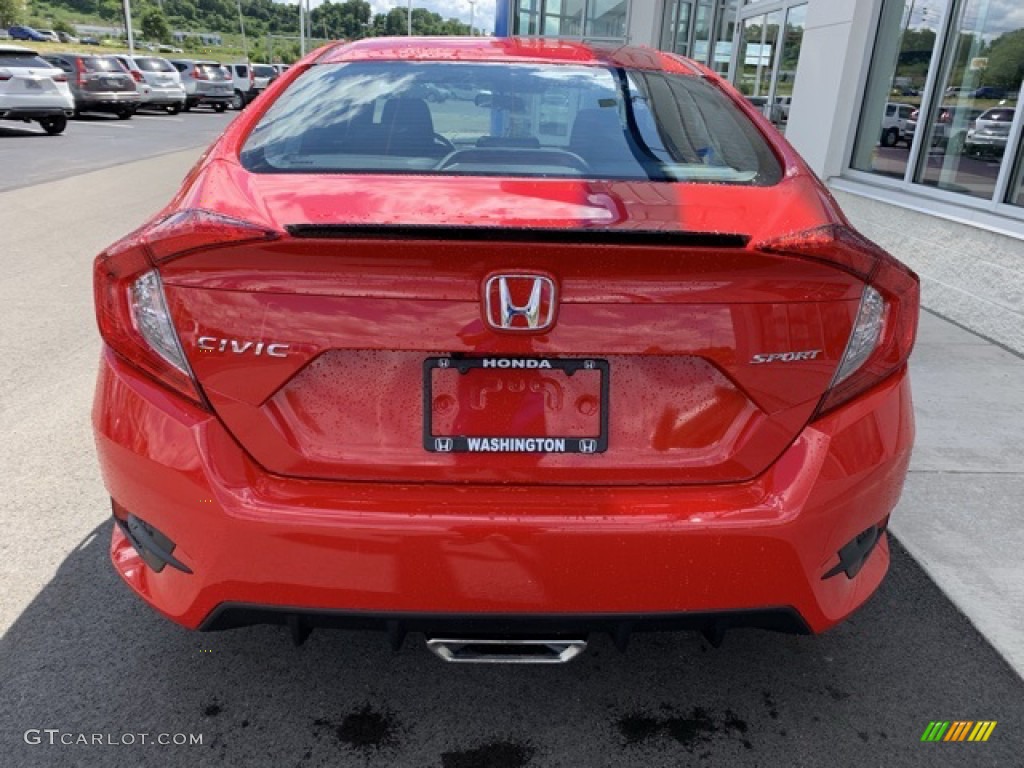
x,y
853,556
155,549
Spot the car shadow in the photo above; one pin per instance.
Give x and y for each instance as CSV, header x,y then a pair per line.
x,y
13,130
87,657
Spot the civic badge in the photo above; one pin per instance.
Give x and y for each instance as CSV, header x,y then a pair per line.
x,y
520,302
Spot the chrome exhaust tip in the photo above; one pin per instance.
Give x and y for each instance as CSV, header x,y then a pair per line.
x,y
498,651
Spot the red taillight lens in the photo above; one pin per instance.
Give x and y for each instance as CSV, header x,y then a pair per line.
x,y
200,74
886,324
194,228
79,72
138,76
131,308
62,78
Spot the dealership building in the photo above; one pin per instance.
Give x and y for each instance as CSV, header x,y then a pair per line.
x,y
907,108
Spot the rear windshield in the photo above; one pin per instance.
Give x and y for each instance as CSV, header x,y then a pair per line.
x,y
531,120
153,64
11,59
100,64
214,71
263,70
1001,115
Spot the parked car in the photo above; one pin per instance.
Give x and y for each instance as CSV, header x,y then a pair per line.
x,y
26,33
98,83
340,384
32,89
950,127
242,84
206,83
264,75
989,92
281,68
89,40
64,37
990,132
49,35
250,80
157,81
894,124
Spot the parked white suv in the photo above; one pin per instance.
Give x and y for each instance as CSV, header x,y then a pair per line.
x,y
894,124
250,80
159,83
33,89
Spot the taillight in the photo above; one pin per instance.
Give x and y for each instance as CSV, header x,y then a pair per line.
x,y
5,76
886,324
131,308
137,76
61,78
79,72
200,74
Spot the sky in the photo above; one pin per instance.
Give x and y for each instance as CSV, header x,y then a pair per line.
x,y
483,17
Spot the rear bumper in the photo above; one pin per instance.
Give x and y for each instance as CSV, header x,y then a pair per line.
x,y
163,96
261,546
34,113
107,102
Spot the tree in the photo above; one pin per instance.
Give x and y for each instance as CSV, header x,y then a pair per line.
x,y
154,25
1006,61
10,13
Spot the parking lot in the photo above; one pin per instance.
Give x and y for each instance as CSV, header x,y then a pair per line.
x,y
98,140
81,654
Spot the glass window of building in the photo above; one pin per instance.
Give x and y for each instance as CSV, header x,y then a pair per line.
x,y
528,20
725,29
792,39
606,19
962,133
969,121
675,27
900,64
581,19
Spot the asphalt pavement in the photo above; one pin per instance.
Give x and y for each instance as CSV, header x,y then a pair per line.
x,y
98,140
80,656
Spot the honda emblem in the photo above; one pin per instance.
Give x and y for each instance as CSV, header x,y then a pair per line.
x,y
520,302
443,444
587,445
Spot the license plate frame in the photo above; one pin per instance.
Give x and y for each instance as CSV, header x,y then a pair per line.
x,y
524,444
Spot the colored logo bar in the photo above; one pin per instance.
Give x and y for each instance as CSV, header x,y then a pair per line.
x,y
958,730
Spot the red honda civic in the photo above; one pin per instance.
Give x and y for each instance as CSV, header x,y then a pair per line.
x,y
505,342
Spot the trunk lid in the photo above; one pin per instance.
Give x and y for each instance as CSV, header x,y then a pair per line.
x,y
378,291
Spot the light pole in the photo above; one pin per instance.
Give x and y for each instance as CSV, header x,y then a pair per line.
x,y
409,19
128,26
472,10
241,24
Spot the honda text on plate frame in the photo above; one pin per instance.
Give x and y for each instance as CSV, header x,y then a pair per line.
x,y
506,342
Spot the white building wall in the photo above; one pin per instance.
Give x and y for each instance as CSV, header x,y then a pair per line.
x,y
834,58
644,25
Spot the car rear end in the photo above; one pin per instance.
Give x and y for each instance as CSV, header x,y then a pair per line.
x,y
213,85
163,83
262,76
564,363
33,89
103,84
990,132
